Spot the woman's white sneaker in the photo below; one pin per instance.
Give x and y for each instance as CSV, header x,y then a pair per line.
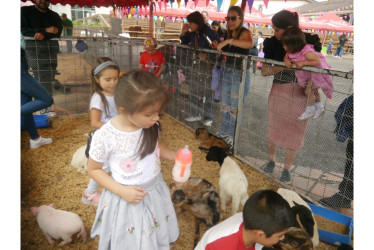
x,y
40,142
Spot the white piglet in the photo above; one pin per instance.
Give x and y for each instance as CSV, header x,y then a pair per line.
x,y
80,156
233,183
58,224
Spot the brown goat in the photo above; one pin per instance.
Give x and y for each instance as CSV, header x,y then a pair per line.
x,y
296,239
208,140
200,198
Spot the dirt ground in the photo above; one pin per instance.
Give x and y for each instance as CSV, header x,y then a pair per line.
x,y
47,177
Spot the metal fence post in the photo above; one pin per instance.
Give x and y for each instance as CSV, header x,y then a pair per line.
x,y
240,104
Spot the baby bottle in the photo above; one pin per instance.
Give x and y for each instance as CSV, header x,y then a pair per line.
x,y
182,167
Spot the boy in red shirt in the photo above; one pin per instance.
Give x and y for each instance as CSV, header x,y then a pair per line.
x,y
265,219
152,59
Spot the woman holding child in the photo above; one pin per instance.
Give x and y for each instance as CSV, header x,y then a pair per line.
x,y
287,100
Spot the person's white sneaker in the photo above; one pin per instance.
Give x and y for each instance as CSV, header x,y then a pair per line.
x,y
307,114
208,123
51,114
42,141
318,113
193,118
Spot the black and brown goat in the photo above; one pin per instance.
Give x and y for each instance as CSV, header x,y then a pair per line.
x,y
304,218
296,239
200,198
208,140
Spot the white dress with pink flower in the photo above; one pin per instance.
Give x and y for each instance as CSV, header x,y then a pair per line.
x,y
320,80
150,224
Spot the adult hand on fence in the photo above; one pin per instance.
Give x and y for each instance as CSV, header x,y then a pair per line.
x,y
52,29
39,36
222,44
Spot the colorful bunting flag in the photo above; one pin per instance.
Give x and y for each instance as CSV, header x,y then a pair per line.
x,y
266,3
219,4
250,4
233,2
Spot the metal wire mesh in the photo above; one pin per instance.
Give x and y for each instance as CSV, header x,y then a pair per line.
x,y
241,117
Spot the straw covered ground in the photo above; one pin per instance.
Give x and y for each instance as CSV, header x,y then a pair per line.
x,y
47,177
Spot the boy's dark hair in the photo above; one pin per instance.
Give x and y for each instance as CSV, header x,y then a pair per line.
x,y
294,39
197,17
266,210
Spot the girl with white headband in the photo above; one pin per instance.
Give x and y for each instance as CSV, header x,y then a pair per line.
x,y
104,79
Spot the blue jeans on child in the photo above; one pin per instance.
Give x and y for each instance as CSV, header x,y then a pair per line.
x,y
339,51
31,88
230,96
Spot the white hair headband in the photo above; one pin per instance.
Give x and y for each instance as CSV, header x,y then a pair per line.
x,y
103,66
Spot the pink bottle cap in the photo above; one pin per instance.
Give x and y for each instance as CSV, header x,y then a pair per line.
x,y
184,155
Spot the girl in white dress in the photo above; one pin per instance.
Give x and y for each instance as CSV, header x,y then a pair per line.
x,y
104,79
135,209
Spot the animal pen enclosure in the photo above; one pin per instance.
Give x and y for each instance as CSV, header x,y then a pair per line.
x,y
316,172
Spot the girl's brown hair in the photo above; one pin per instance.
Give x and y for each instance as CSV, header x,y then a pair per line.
x,y
95,86
294,39
238,29
135,91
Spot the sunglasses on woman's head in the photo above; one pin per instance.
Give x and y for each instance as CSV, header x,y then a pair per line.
x,y
232,18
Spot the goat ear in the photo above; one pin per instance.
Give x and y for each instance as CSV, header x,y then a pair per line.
x,y
299,222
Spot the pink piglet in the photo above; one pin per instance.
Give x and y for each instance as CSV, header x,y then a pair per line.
x,y
58,224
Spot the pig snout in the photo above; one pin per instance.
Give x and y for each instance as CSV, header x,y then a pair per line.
x,y
59,224
35,210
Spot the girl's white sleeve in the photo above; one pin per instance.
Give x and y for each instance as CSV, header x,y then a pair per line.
x,y
98,150
96,102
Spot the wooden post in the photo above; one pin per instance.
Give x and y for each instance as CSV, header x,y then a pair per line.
x,y
150,17
324,39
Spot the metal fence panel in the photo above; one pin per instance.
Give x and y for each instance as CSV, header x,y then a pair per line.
x,y
319,166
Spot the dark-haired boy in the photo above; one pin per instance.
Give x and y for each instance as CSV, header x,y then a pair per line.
x,y
265,219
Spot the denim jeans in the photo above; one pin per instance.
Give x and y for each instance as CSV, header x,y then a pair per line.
x,y
31,88
339,51
230,97
200,92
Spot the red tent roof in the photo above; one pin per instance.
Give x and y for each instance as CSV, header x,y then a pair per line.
x,y
330,21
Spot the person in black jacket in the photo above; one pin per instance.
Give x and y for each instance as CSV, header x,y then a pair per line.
x,y
344,130
43,24
287,100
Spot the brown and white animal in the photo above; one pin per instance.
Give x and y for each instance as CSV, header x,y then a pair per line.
x,y
58,224
296,239
304,217
80,157
233,183
199,197
208,140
